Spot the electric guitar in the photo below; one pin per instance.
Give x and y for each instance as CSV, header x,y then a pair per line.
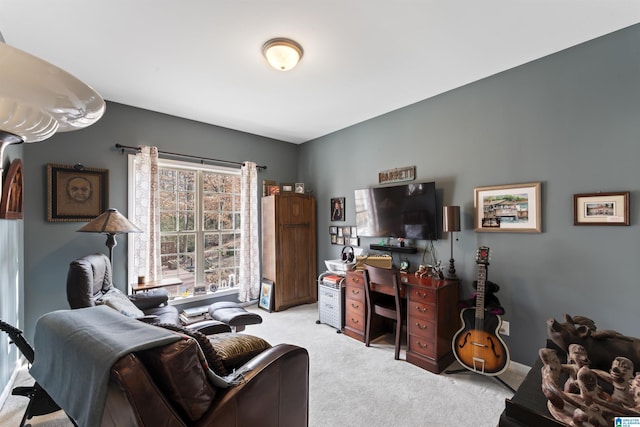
x,y
478,345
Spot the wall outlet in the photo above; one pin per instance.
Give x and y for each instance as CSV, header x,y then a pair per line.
x,y
504,328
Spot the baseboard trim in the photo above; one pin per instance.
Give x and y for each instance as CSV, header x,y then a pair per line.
x,y
6,392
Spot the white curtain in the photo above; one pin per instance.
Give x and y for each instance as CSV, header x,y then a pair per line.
x,y
146,245
249,278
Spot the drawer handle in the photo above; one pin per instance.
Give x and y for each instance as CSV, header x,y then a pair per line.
x,y
421,294
355,305
421,309
423,327
422,346
355,291
355,320
355,279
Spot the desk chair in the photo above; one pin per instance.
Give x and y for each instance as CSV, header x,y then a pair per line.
x,y
382,290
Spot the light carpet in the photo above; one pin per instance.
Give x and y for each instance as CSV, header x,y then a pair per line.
x,y
355,386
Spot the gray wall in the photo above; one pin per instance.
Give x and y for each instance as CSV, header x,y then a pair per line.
x,y
11,278
570,121
51,246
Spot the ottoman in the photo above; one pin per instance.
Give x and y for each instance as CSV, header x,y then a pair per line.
x,y
233,314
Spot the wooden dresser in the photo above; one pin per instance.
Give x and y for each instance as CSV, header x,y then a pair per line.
x,y
432,320
289,248
354,306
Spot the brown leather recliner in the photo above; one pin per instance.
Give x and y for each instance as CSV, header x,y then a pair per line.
x,y
167,387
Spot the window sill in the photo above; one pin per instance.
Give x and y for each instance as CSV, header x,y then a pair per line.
x,y
208,296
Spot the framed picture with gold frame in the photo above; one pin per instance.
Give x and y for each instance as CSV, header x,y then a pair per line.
x,y
512,208
76,193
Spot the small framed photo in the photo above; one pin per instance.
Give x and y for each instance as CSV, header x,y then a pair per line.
x,y
266,183
354,231
333,230
76,193
601,208
340,240
300,187
337,209
513,208
354,241
287,188
266,295
273,189
334,239
346,231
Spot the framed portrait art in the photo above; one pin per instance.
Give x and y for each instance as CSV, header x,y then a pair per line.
x,y
266,295
601,208
337,209
511,208
76,193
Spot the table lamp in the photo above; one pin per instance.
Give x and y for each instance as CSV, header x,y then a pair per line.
x,y
451,224
110,222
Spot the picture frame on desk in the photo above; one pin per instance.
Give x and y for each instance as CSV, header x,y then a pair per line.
x,y
265,301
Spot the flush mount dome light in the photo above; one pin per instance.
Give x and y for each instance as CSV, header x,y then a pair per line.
x,y
282,54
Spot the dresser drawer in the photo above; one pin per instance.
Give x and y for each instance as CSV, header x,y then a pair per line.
x,y
354,319
355,293
421,294
355,306
421,310
421,345
355,278
422,328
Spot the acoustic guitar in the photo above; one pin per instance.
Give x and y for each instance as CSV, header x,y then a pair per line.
x,y
478,345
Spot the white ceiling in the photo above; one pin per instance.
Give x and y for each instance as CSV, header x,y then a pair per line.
x,y
201,59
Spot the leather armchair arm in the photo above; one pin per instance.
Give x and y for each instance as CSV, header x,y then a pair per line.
x,y
149,299
275,392
210,327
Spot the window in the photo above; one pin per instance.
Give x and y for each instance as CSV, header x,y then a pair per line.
x,y
199,227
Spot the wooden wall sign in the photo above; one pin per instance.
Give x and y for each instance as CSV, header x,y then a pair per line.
x,y
397,175
11,202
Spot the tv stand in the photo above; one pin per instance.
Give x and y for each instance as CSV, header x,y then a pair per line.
x,y
388,248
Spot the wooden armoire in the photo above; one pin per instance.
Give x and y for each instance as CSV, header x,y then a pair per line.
x,y
289,248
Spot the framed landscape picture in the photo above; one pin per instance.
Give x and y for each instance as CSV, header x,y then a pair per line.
x,y
601,208
76,193
511,208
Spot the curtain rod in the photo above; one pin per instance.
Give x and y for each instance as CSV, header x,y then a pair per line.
x,y
128,147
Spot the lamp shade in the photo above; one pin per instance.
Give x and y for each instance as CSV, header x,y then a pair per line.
x,y
111,222
282,54
450,218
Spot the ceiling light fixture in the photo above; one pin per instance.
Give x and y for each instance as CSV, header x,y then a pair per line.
x,y
282,54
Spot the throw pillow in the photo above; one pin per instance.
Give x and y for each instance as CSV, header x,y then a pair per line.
x,y
237,349
211,356
185,383
119,301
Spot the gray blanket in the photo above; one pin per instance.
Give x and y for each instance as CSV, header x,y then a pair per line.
x,y
75,350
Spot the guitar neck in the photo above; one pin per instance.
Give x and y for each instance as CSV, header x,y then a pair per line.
x,y
482,277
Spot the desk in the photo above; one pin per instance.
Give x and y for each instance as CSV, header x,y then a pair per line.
x,y
432,317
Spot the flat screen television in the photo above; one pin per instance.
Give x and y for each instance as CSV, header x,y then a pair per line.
x,y
407,211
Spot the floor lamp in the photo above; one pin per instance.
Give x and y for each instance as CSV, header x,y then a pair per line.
x,y
451,224
111,222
